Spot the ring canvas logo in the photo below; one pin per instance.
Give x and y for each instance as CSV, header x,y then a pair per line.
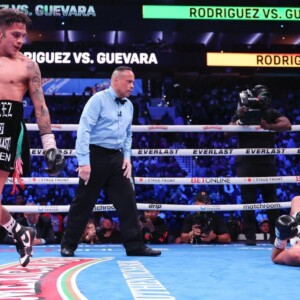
x,y
44,278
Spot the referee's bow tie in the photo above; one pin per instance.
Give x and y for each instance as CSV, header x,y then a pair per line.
x,y
120,100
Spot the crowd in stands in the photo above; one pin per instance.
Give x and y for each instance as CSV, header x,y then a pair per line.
x,y
208,106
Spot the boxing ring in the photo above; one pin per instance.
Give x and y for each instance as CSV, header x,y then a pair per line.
x,y
183,271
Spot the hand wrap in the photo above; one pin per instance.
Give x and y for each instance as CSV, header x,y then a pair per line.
x,y
285,229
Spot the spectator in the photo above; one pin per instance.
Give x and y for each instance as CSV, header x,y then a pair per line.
x,y
19,200
56,219
89,235
264,226
107,233
154,228
42,225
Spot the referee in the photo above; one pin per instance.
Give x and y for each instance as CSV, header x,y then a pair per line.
x,y
103,150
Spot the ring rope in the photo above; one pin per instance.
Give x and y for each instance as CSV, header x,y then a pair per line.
x,y
172,180
150,206
171,128
192,152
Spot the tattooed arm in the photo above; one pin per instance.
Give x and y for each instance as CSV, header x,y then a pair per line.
x,y
37,96
55,160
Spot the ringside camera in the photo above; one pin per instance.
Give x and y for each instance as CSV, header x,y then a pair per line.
x,y
252,103
204,221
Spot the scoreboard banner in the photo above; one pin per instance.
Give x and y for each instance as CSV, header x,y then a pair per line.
x,y
233,13
282,60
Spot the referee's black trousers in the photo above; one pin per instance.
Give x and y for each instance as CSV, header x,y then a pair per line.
x,y
106,173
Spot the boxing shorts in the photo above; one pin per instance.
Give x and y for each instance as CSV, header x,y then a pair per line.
x,y
13,137
296,239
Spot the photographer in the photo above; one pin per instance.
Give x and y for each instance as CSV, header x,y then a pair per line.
x,y
204,227
154,228
255,109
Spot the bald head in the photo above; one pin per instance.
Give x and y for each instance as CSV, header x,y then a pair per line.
x,y
122,81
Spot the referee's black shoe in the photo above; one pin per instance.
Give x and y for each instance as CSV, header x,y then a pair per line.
x,y
145,251
65,252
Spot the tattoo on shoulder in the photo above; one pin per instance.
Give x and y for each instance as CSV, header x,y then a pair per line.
x,y
33,67
30,65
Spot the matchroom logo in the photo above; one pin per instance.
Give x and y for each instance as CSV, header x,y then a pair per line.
x,y
44,278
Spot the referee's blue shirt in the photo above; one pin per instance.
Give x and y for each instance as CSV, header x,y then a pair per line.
x,y
104,123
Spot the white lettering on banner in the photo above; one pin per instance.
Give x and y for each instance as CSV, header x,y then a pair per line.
x,y
23,8
81,57
84,58
5,109
56,86
2,128
50,57
5,143
42,10
142,284
65,10
5,156
126,58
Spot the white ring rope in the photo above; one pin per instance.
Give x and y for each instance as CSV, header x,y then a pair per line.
x,y
193,152
149,206
172,180
171,128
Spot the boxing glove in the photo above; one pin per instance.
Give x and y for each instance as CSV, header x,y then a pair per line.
x,y
55,161
286,227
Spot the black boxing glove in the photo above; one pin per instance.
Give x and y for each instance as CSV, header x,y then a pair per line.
x,y
55,161
285,229
54,158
